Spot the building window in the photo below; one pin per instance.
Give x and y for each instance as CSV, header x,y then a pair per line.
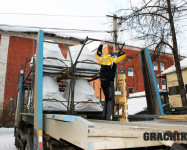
x,y
157,80
155,65
163,81
121,70
162,67
130,61
122,61
130,72
174,90
131,90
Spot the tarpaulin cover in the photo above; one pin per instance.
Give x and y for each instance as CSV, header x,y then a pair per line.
x,y
83,93
86,56
52,56
51,92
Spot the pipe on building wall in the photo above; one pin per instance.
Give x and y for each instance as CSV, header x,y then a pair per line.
x,y
4,46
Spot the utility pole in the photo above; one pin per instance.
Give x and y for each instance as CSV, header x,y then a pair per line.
x,y
115,37
115,26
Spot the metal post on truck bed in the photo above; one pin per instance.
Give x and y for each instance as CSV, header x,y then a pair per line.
x,y
154,103
19,101
38,94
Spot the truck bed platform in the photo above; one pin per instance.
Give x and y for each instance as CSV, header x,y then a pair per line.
x,y
100,134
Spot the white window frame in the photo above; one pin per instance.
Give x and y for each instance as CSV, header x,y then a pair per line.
x,y
155,66
163,86
162,66
130,73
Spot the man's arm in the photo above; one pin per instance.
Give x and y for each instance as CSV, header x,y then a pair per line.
x,y
99,51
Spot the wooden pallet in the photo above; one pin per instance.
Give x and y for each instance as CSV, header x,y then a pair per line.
x,y
174,117
121,100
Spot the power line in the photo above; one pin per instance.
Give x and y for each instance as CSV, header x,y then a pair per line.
x,y
61,29
56,15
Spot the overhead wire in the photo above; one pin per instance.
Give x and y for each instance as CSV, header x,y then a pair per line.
x,y
57,15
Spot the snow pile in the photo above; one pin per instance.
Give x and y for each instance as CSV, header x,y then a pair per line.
x,y
53,51
86,56
52,56
171,69
136,103
51,92
117,92
83,93
10,28
7,139
17,29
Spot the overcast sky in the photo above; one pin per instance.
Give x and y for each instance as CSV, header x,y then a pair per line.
x,y
93,14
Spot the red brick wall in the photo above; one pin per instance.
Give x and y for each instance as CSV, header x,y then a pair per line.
x,y
19,50
168,62
137,80
64,50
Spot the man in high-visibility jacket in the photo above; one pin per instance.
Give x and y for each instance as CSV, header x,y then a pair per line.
x,y
107,75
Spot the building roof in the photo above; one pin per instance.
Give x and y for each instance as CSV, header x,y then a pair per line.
x,y
32,30
54,35
171,69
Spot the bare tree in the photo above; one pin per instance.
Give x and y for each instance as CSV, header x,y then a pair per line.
x,y
155,23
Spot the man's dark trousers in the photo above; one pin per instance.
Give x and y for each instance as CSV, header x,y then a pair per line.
x,y
108,90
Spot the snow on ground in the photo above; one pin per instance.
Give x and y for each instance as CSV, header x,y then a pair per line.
x,y
138,94
136,105
7,139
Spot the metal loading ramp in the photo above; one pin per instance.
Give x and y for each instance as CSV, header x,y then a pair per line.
x,y
99,134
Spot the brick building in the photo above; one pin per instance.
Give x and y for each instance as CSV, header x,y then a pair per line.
x,y
17,45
